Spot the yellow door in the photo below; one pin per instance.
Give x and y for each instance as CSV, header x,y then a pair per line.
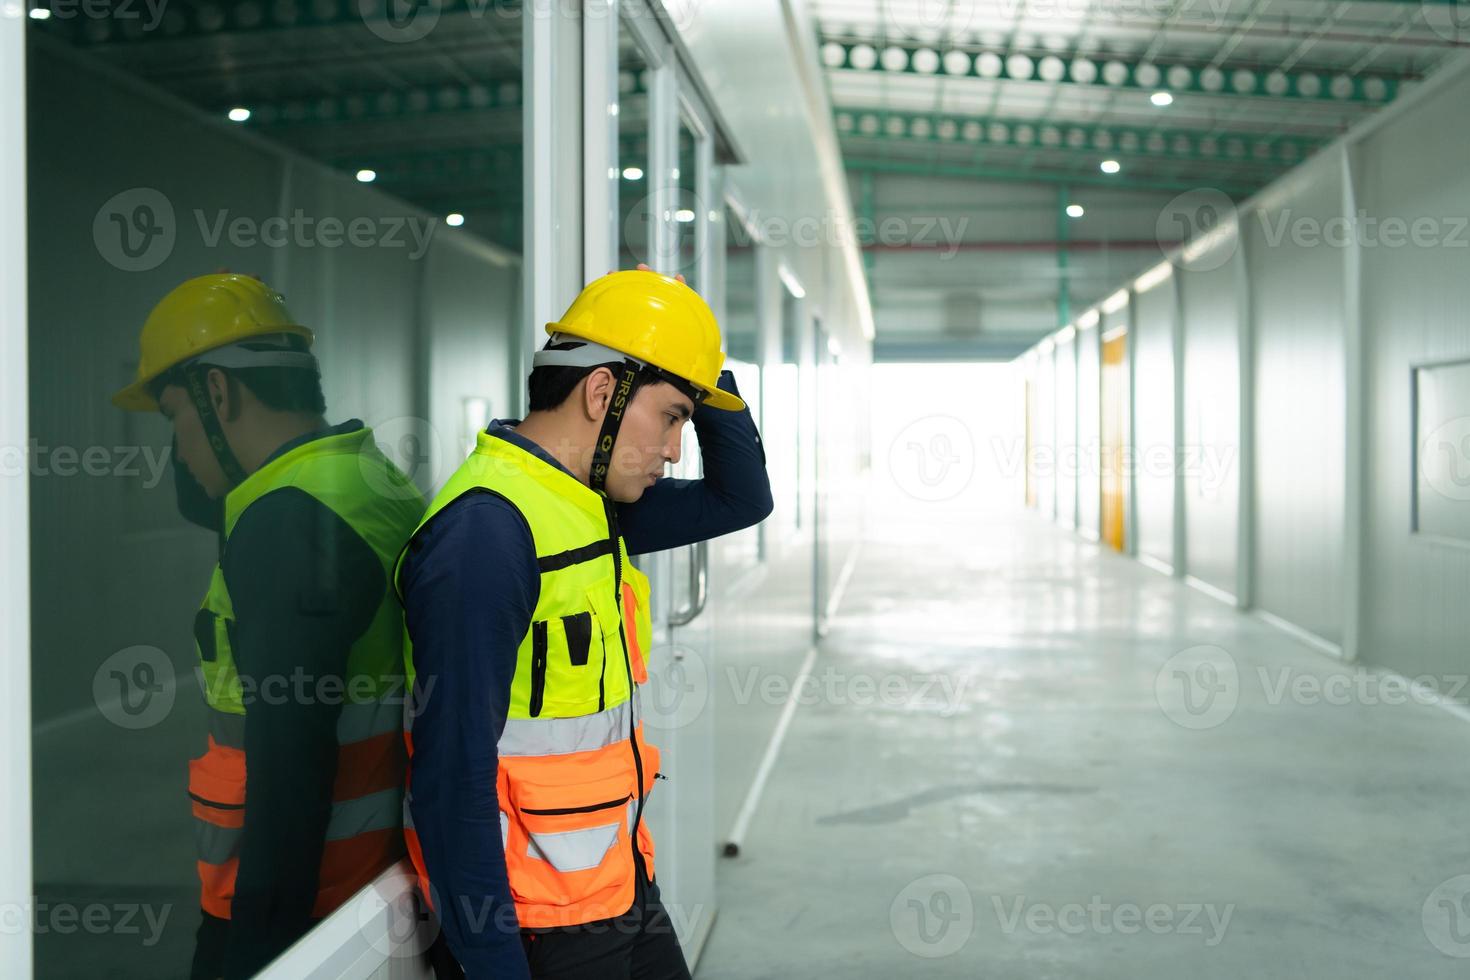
x,y
1114,435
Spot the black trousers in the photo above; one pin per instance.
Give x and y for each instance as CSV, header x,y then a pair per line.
x,y
640,944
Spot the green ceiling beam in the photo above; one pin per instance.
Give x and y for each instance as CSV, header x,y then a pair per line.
x,y
1038,134
1070,67
1117,181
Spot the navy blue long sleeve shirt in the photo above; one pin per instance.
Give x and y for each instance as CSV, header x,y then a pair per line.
x,y
470,586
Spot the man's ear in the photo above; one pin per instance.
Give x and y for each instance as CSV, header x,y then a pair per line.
x,y
598,393
224,397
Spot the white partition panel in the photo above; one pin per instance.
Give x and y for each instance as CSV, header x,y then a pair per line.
x,y
1089,432
1300,410
1211,444
1152,335
1068,464
1415,186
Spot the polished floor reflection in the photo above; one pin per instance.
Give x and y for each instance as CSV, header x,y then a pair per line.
x,y
1023,755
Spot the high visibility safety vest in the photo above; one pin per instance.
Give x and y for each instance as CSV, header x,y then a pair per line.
x,y
351,477
574,769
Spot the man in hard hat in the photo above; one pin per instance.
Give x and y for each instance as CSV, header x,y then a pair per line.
x,y
529,772
297,799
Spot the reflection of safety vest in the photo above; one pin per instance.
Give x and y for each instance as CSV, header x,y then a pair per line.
x,y
351,477
574,769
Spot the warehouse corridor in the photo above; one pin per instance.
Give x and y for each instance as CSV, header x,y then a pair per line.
x,y
1035,799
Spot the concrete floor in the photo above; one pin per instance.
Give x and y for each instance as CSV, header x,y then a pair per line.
x,y
1033,797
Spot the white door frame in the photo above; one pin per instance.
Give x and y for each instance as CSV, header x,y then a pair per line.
x,y
15,552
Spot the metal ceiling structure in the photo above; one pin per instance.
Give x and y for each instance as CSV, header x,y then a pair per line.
x,y
438,120
1047,89
1009,113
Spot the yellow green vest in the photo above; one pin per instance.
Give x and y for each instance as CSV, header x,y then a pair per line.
x,y
350,476
574,657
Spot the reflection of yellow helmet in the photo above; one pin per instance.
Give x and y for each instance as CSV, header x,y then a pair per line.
x,y
199,315
655,319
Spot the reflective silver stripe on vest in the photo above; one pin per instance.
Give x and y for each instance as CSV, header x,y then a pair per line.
x,y
574,850
561,736
215,844
376,811
367,719
227,729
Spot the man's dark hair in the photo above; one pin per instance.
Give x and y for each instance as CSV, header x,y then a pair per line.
x,y
278,388
548,387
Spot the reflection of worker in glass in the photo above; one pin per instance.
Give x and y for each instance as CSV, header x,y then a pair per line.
x,y
297,800
529,770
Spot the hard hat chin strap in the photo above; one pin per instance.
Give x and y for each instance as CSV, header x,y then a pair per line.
x,y
629,377
197,385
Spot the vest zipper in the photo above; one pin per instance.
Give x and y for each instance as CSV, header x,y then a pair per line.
x,y
558,811
617,555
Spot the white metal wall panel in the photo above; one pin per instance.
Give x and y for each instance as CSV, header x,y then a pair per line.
x,y
1043,436
1067,452
1296,290
1089,432
1211,445
1153,439
1412,172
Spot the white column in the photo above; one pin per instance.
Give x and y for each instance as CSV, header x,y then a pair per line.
x,y
552,153
1356,419
15,553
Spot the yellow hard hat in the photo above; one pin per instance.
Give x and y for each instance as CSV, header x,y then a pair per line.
x,y
655,319
201,314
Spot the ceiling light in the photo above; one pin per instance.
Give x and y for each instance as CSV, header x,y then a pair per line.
x,y
1110,166
632,173
684,215
454,220
239,114
1161,99
40,13
1075,211
367,176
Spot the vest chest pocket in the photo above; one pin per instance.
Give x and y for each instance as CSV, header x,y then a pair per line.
x,y
566,664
